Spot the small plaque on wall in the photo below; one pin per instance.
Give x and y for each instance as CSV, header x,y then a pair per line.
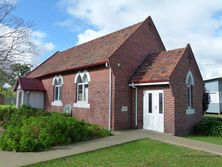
x,y
124,108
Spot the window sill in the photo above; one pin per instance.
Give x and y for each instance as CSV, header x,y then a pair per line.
x,y
81,104
190,111
57,103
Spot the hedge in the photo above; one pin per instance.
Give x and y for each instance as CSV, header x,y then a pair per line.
x,y
210,126
37,130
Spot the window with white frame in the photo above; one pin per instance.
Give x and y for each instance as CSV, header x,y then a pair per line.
x,y
82,88
190,84
57,90
82,81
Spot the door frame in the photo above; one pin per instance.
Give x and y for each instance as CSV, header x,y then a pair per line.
x,y
154,91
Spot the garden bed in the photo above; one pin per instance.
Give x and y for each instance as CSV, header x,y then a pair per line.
x,y
28,129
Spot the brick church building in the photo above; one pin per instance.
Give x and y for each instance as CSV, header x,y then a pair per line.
x,y
126,79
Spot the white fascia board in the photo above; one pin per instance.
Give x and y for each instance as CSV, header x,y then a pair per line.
x,y
148,84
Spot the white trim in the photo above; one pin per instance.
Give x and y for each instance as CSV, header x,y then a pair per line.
x,y
22,101
136,108
84,102
59,87
190,110
18,98
57,77
110,99
53,80
87,73
151,83
77,75
189,74
81,104
57,103
145,95
81,73
136,105
84,92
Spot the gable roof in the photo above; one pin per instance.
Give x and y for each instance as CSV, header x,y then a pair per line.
x,y
29,84
90,53
158,67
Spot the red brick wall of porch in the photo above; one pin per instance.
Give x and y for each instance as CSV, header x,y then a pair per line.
x,y
169,108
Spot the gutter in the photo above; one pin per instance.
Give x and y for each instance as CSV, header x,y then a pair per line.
x,y
110,98
149,83
136,103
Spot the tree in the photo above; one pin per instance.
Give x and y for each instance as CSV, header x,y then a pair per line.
x,y
15,37
19,70
7,92
206,100
4,77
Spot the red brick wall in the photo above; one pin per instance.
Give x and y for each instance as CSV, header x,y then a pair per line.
x,y
130,55
98,96
169,109
176,121
185,123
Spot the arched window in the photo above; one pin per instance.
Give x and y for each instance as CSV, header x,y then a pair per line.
x,y
82,80
82,88
57,88
190,84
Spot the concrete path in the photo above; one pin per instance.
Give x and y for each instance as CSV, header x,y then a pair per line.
x,y
11,159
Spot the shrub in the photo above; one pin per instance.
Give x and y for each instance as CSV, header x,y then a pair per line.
x,y
210,126
42,132
5,114
10,138
23,113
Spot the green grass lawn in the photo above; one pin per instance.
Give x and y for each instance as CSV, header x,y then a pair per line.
x,y
208,139
5,106
213,115
140,153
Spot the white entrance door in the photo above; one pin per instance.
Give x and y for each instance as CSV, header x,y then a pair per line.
x,y
153,110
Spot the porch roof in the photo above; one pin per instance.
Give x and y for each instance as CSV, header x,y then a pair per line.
x,y
158,67
29,84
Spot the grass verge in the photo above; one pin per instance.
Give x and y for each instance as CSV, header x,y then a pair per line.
x,y
140,153
6,105
208,139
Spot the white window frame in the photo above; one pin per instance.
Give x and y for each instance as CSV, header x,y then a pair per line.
x,y
57,102
190,85
82,103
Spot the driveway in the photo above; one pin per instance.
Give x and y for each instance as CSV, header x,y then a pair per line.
x,y
11,159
